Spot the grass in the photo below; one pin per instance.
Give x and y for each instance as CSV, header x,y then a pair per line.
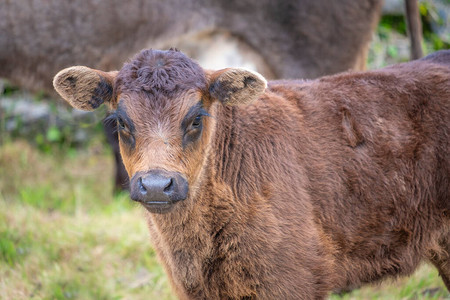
x,y
92,256
424,284
64,236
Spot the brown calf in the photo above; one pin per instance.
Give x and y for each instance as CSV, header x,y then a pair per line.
x,y
288,191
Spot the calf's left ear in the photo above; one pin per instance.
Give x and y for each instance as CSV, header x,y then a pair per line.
x,y
85,88
234,86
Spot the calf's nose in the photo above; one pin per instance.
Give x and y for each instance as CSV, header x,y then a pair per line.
x,y
158,187
155,184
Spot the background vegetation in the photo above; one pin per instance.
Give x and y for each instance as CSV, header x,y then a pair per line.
x,y
64,236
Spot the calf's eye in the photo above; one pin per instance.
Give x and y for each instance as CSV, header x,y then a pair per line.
x,y
197,122
120,123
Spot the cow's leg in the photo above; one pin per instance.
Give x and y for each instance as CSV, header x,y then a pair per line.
x,y
441,259
122,180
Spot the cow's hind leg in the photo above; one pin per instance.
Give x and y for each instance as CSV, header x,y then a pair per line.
x,y
441,259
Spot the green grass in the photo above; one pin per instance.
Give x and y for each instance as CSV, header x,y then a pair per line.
x,y
424,284
89,256
64,236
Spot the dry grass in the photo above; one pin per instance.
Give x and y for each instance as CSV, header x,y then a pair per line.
x,y
63,235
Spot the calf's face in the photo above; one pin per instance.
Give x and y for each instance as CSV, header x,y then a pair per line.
x,y
163,104
163,142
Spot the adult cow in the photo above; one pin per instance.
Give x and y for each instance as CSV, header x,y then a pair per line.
x,y
288,191
294,38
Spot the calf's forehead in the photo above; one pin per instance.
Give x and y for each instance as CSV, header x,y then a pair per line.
x,y
161,75
147,109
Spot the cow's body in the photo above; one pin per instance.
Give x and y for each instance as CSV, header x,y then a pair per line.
x,y
315,186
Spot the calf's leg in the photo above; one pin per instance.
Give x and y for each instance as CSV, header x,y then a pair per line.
x,y
441,260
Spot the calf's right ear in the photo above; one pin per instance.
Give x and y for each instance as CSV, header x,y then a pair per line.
x,y
85,88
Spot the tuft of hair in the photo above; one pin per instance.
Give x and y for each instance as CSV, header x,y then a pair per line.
x,y
158,71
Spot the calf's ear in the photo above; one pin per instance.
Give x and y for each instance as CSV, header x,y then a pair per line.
x,y
85,88
234,86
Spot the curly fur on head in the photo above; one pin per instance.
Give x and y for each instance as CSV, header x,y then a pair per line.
x,y
156,71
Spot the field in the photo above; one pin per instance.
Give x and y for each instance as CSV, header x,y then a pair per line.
x,y
64,236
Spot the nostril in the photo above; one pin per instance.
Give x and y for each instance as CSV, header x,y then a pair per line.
x,y
169,186
159,187
142,188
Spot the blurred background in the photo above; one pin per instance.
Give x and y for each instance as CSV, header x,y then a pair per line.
x,y
66,230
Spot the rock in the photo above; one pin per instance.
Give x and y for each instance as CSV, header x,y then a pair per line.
x,y
24,117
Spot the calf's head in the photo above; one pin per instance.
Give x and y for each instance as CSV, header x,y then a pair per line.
x,y
164,105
